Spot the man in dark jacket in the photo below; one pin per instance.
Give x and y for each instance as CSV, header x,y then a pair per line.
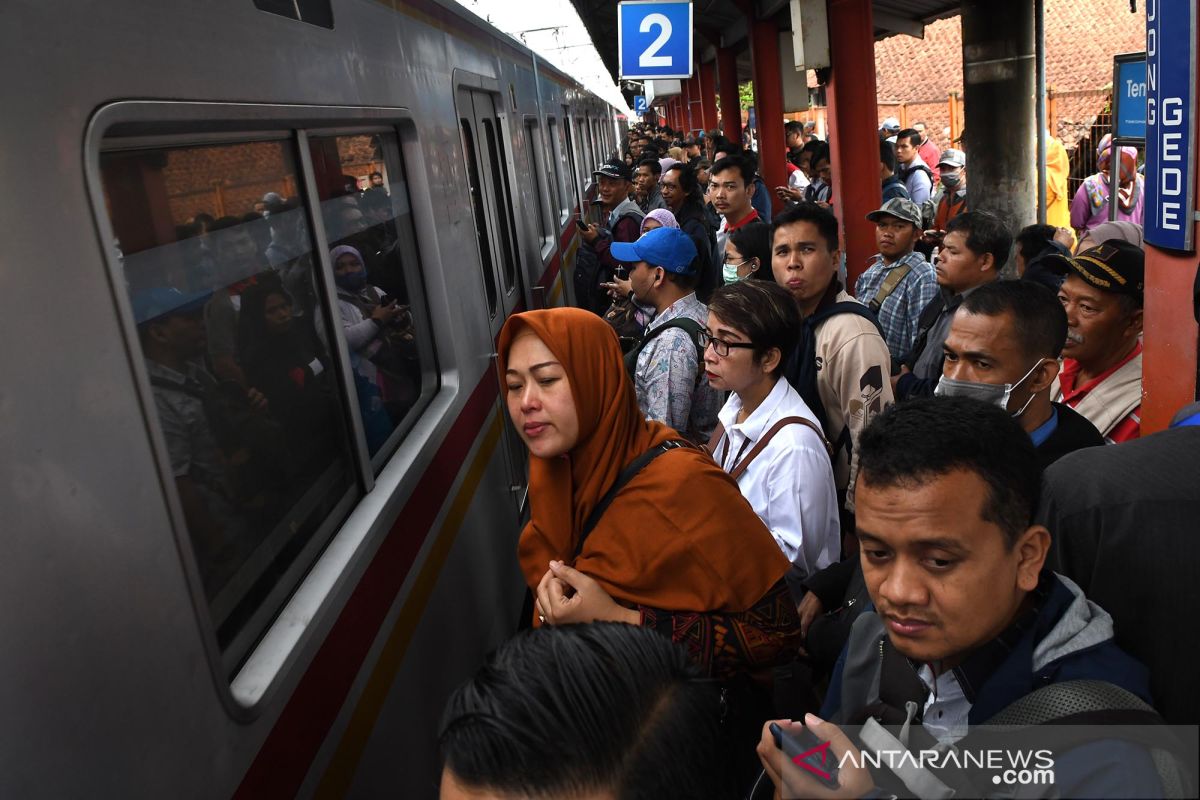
x,y
613,217
965,619
684,196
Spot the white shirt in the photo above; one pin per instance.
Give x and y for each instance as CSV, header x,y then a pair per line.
x,y
790,483
946,708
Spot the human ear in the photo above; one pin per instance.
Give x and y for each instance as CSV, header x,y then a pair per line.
x,y
1044,375
1032,547
770,360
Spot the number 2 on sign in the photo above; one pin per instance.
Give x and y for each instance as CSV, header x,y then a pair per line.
x,y
650,57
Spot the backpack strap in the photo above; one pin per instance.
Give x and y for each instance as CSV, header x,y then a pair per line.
x,y
626,475
686,324
889,285
762,443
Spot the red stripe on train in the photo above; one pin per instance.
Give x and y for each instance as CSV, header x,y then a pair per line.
x,y
281,765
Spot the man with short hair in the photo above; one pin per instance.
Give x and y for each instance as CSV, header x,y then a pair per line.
x,y
929,152
645,185
730,190
1003,348
892,187
1101,376
950,199
671,387
915,173
841,365
966,619
821,188
613,217
793,137
376,179
900,282
974,250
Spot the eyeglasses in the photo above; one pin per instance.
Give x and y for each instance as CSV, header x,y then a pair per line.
x,y
720,346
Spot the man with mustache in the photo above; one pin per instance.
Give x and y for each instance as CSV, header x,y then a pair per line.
x,y
966,621
1101,375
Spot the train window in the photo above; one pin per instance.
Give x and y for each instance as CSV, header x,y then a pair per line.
x,y
364,205
314,12
481,232
558,159
536,153
245,394
504,206
572,164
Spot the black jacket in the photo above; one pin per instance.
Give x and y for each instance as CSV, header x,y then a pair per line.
x,y
694,222
1074,432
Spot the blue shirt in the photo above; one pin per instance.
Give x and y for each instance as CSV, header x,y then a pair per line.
x,y
902,309
1041,433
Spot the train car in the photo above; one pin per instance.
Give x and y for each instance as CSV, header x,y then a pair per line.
x,y
260,498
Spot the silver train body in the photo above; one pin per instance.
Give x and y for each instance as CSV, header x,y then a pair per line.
x,y
125,672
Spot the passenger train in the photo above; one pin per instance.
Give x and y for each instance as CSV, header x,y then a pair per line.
x,y
247,554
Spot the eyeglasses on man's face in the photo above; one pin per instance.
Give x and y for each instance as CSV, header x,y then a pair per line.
x,y
720,346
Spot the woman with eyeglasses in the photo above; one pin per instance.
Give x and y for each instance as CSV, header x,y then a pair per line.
x,y
767,438
746,250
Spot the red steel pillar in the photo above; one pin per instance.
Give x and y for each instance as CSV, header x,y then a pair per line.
x,y
708,96
768,105
854,142
686,99
731,107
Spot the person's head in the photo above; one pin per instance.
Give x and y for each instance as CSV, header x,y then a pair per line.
x,y
805,252
887,159
973,251
703,174
889,128
897,228
661,268
1003,348
658,218
646,177
907,143
752,327
1111,231
636,144
731,187
1102,295
613,180
236,250
747,250
170,323
376,206
919,127
691,149
678,185
1029,243
584,711
944,502
819,162
793,135
349,271
376,179
952,169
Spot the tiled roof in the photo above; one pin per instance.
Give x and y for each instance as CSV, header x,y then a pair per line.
x,y
1082,36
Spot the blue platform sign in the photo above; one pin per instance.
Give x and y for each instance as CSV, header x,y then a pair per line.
x,y
654,39
639,104
1129,97
1170,122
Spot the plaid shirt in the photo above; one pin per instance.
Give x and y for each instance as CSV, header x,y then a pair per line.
x,y
900,311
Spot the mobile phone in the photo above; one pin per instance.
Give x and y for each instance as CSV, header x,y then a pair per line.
x,y
579,223
805,750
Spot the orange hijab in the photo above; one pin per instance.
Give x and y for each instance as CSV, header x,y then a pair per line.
x,y
680,536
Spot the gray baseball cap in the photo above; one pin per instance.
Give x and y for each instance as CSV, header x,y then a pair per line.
x,y
900,208
955,158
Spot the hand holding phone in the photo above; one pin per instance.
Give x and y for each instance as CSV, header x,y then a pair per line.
x,y
579,223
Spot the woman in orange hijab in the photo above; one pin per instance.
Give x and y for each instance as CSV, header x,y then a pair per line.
x,y
678,548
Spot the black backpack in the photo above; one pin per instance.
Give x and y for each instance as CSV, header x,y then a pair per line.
x,y
692,328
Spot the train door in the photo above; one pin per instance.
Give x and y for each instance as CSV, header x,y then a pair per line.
x,y
496,236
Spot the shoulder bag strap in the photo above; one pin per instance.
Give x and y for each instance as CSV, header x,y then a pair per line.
x,y
889,285
627,474
761,444
715,439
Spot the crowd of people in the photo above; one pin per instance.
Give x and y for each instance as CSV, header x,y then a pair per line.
x,y
760,497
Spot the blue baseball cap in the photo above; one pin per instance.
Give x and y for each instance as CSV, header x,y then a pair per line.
x,y
669,248
160,301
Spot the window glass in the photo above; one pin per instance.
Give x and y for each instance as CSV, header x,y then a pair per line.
x,y
499,163
365,208
217,259
534,135
571,164
558,160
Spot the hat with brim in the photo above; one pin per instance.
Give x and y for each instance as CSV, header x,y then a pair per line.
x,y
900,208
614,169
669,248
1115,266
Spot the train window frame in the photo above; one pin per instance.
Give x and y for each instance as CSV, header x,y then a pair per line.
x,y
536,150
350,534
557,159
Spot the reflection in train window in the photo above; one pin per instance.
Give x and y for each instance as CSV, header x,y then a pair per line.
x,y
558,158
536,156
504,204
245,393
368,221
481,232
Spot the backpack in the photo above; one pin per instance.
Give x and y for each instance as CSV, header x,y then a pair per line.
x,y
802,367
690,326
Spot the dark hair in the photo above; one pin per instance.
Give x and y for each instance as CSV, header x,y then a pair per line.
x,y
887,155
753,240
929,437
689,184
740,163
604,707
823,218
1033,239
793,127
686,282
653,164
376,172
723,145
911,134
764,311
1039,320
985,234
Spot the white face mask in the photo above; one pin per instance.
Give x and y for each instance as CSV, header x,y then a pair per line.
x,y
997,394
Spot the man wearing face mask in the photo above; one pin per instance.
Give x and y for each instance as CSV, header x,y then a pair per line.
x,y
1003,348
949,200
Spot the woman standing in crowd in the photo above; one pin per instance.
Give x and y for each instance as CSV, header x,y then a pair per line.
x,y
746,250
768,439
1090,207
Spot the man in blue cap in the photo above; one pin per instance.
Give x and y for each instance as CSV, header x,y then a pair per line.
x,y
666,364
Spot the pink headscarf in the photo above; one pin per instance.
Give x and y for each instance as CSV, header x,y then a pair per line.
x,y
662,216
1128,158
